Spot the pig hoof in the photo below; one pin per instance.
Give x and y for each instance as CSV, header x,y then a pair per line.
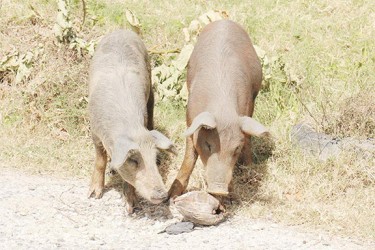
x,y
172,195
176,189
95,192
129,208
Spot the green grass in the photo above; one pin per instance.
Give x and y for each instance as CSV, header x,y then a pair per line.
x,y
321,70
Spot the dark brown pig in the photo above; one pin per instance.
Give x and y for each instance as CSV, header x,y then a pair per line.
x,y
223,78
121,115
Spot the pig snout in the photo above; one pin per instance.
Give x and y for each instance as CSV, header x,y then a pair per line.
x,y
218,177
158,195
216,188
111,172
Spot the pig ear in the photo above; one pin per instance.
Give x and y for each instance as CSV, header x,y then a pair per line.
x,y
162,142
204,119
122,151
252,127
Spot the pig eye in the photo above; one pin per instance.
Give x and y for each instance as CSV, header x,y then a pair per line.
x,y
238,150
208,146
133,161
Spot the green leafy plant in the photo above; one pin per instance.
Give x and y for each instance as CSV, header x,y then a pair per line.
x,y
65,32
169,77
19,64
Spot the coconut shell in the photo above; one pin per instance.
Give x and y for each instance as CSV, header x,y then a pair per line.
x,y
199,207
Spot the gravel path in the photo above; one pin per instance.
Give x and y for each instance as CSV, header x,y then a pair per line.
x,y
41,212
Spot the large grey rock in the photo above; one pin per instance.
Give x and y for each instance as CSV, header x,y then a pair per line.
x,y
325,146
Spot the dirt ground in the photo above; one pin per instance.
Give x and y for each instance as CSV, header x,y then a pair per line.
x,y
42,212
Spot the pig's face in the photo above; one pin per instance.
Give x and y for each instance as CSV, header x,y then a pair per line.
x,y
219,150
139,167
219,144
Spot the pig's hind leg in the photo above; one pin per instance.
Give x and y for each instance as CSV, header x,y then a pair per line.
x,y
150,111
97,179
130,197
245,158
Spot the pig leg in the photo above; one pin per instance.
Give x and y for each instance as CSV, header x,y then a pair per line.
x,y
130,197
232,197
227,200
97,179
230,187
245,157
150,111
180,183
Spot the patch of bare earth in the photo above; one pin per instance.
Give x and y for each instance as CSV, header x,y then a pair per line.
x,y
43,212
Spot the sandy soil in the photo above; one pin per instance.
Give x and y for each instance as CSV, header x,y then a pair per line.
x,y
42,212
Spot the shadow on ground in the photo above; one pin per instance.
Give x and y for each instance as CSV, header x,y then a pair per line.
x,y
248,179
158,212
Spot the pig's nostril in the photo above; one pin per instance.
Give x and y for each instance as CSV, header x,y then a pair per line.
x,y
218,188
159,196
218,192
158,199
111,172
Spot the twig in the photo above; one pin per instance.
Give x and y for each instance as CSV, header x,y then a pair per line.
x,y
66,216
151,51
61,200
84,13
35,11
308,111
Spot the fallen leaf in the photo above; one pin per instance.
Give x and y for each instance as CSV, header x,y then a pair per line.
x,y
133,21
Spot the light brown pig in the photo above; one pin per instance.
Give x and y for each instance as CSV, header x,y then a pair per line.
x,y
223,78
121,107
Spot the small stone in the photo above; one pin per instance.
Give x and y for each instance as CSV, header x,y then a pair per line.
x,y
179,228
22,213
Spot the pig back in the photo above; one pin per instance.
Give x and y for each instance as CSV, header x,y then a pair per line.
x,y
119,85
223,71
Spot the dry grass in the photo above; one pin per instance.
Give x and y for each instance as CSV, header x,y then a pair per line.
x,y
321,66
336,195
356,116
